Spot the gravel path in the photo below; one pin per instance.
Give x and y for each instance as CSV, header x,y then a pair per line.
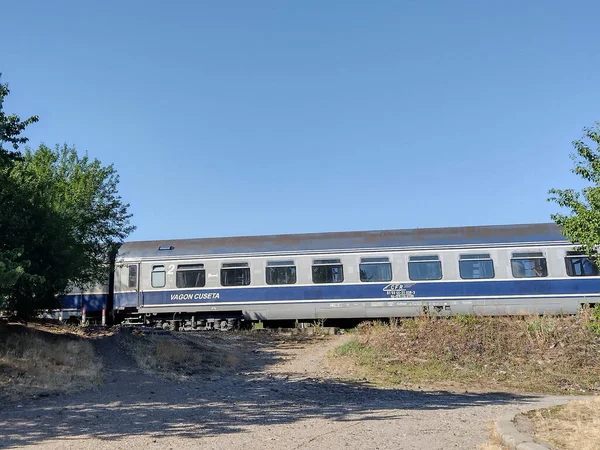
x,y
281,399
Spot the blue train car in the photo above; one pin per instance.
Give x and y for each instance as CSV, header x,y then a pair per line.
x,y
489,270
93,302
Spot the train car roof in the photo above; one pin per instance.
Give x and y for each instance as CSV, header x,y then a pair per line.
x,y
346,241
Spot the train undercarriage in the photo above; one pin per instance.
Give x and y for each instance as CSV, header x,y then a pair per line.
x,y
185,321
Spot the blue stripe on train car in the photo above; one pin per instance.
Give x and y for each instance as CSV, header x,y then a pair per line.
x,y
95,302
482,289
70,301
92,302
125,300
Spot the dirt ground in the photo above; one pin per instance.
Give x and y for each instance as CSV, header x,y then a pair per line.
x,y
281,397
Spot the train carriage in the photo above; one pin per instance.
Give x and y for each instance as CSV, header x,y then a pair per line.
x,y
488,270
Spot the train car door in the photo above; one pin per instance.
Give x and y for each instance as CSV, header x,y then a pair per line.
x,y
133,284
134,279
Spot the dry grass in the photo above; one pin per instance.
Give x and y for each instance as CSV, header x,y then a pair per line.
x,y
177,356
494,443
575,426
35,362
491,446
534,354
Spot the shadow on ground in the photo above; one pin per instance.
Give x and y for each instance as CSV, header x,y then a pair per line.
x,y
133,403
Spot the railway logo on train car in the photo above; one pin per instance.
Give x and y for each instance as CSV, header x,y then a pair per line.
x,y
399,291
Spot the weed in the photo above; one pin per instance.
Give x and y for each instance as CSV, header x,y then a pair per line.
x,y
467,319
395,323
318,326
352,347
593,321
540,326
410,324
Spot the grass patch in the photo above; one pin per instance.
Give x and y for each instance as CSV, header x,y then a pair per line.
x,y
177,356
574,426
534,354
353,348
35,362
494,442
593,321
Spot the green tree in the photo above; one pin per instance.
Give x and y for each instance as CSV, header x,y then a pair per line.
x,y
60,218
76,218
11,128
581,223
12,265
10,270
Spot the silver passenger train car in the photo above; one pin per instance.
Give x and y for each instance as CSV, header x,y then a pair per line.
x,y
216,282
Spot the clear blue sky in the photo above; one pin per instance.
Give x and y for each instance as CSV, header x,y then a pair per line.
x,y
267,117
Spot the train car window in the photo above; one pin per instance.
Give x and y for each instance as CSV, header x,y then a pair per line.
x,y
159,277
375,260
235,274
235,264
580,265
280,272
529,265
476,266
132,281
375,269
327,271
427,267
190,275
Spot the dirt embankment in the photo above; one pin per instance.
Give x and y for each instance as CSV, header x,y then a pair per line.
x,y
547,354
38,361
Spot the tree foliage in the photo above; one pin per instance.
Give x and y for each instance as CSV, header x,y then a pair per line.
x,y
76,219
61,217
12,206
10,270
82,194
581,224
11,128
